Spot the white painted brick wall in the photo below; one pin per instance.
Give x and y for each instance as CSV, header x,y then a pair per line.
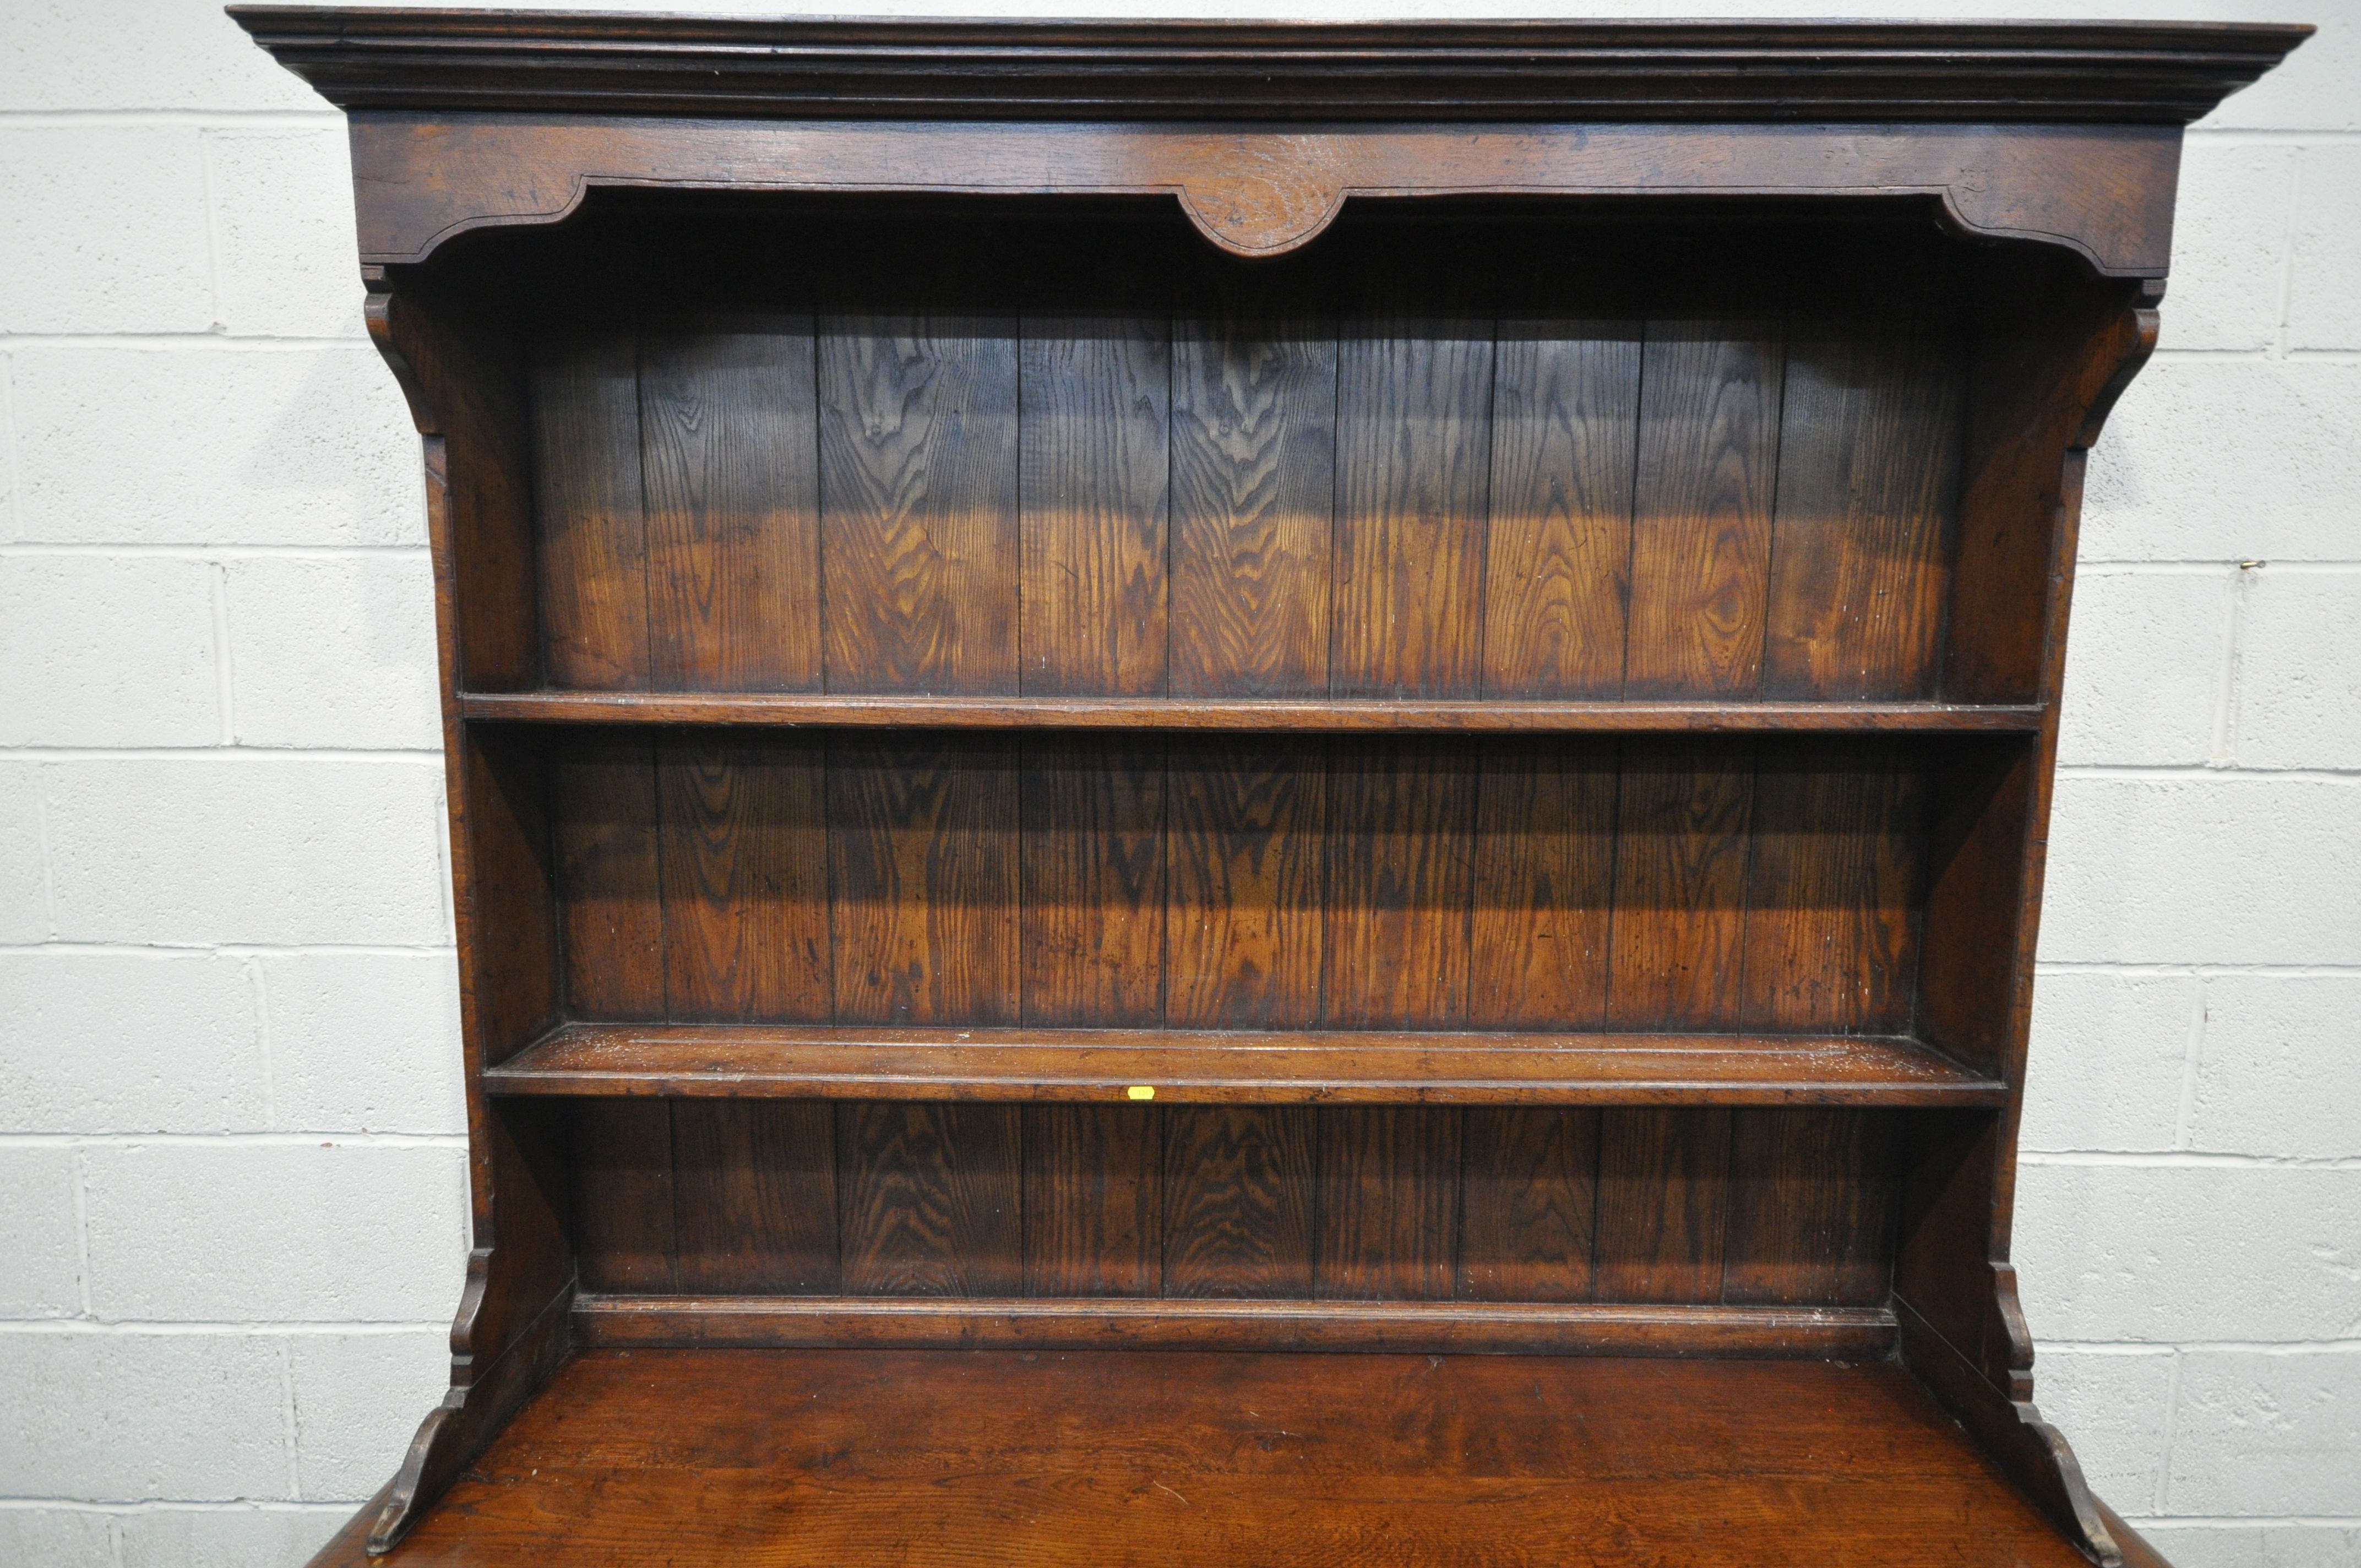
x,y
231,1136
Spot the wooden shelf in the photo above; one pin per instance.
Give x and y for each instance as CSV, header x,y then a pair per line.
x,y
851,1457
792,709
1203,1066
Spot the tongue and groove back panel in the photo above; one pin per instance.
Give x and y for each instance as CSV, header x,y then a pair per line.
x,y
1519,461
936,462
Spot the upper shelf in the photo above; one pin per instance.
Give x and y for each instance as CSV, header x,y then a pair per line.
x,y
790,709
1210,1067
1031,70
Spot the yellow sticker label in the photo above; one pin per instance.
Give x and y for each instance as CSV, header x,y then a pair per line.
x,y
1141,1091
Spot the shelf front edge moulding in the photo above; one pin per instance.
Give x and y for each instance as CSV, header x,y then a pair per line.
x,y
2048,153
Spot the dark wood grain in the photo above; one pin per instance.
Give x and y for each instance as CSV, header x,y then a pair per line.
x,y
923,881
1413,442
622,1161
1228,1066
593,532
730,466
1246,930
1545,867
646,1457
1663,1187
1095,481
754,1188
1701,509
918,482
1832,895
1253,451
930,1200
743,849
603,830
1812,1207
1529,1198
1565,414
1093,1191
1092,873
1388,1209
1401,815
1680,886
1472,716
1869,480
1238,1201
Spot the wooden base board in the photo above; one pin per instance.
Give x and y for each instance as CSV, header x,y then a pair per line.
x,y
777,1459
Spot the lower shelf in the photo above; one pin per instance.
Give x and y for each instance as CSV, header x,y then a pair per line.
x,y
844,1458
1187,1066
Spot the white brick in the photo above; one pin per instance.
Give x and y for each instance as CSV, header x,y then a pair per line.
x,y
222,444
365,1042
129,1043
226,1537
2206,870
2156,1254
2253,1546
40,1267
102,229
334,652
2321,312
2267,1434
265,851
2279,1072
2109,1053
122,1417
2299,669
139,54
96,652
2144,667
200,1232
283,210
2112,1406
2229,244
2212,459
55,1538
358,1400
24,879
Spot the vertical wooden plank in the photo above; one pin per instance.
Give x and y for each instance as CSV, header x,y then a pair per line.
x,y
1544,878
1238,1201
1869,483
1413,447
918,477
922,871
593,535
602,790
1663,1191
1528,1204
1832,893
622,1195
1094,880
1388,1203
1813,1203
930,1198
1680,881
1094,439
1244,934
1565,414
1400,814
754,1196
744,858
1092,1184
730,459
1254,453
1701,509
